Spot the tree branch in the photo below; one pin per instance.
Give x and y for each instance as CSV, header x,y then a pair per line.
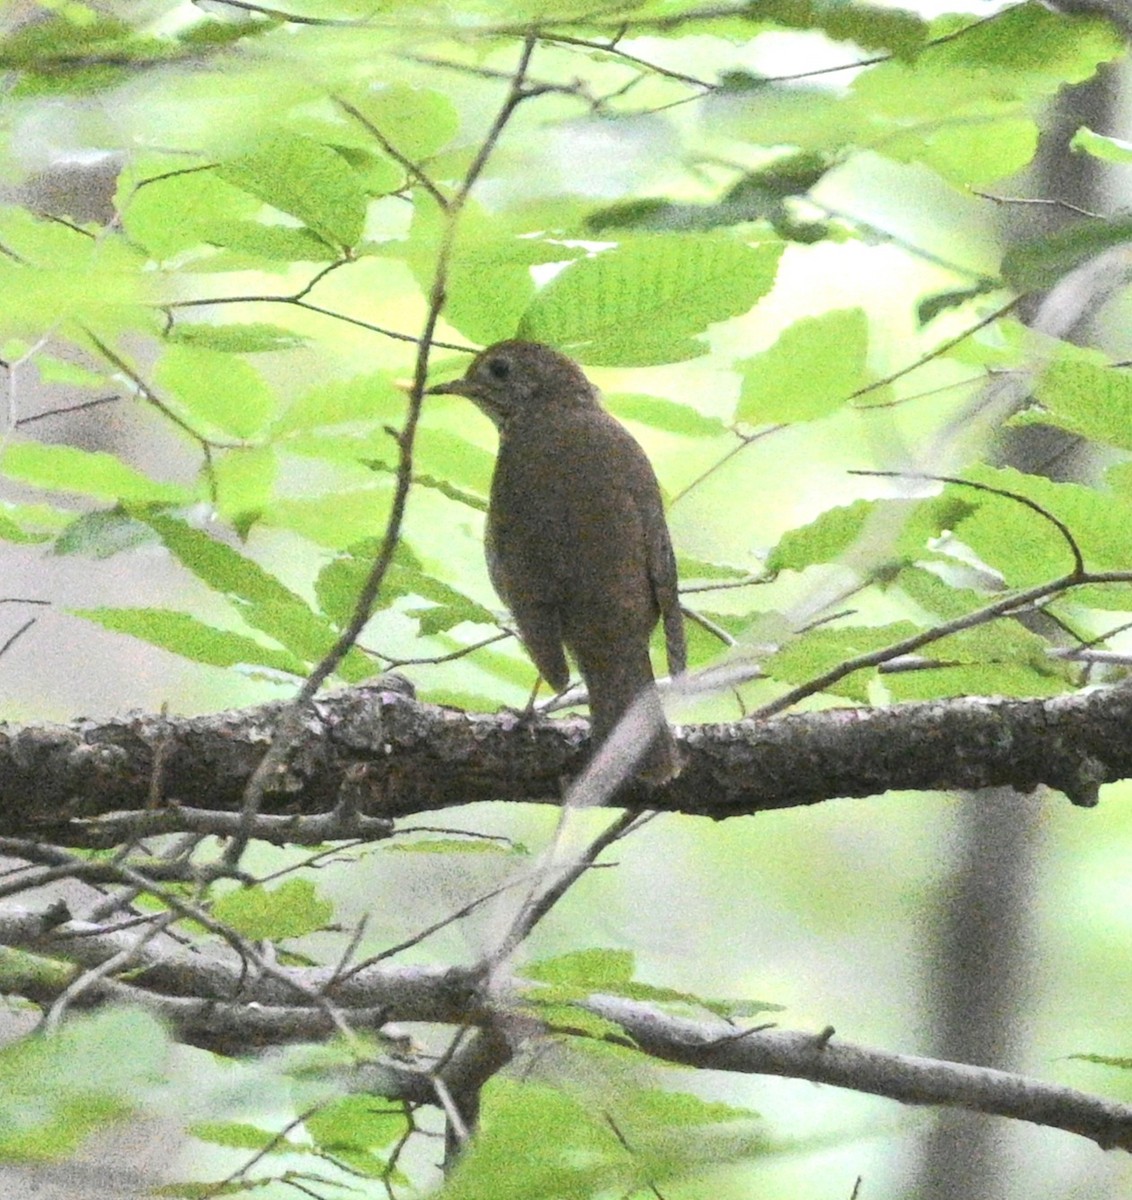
x,y
366,755
216,1003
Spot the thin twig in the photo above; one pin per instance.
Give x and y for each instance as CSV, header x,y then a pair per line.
x,y
1033,505
290,723
414,169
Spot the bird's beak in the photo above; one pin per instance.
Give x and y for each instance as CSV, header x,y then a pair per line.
x,y
454,387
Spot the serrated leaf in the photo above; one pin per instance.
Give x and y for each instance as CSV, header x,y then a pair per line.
x,y
372,398
811,370
261,600
253,338
935,595
976,679
191,638
293,909
824,539
690,568
1026,547
273,243
661,413
340,581
415,121
489,284
1087,395
222,568
88,473
306,179
810,654
220,390
640,303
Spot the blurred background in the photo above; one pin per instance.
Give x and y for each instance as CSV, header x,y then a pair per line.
x,y
992,929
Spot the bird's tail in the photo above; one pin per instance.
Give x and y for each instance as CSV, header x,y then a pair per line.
x,y
629,687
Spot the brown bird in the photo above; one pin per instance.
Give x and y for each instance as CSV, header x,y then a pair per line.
x,y
577,545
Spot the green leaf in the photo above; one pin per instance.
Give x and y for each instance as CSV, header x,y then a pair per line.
x,y
938,303
1105,1060
489,284
1108,149
682,1109
756,195
593,970
1038,263
979,151
88,473
273,243
622,1139
1024,546
639,304
29,523
238,1135
579,1155
222,391
870,26
937,596
55,1092
979,679
442,455
244,481
573,1018
690,568
415,121
102,534
191,638
168,214
661,413
251,338
261,600
341,580
810,654
466,845
222,568
372,399
293,909
306,179
825,538
1083,392
353,516
811,370
356,1123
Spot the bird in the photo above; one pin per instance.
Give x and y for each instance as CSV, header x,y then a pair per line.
x,y
576,541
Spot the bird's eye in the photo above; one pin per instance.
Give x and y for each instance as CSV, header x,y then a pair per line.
x,y
499,367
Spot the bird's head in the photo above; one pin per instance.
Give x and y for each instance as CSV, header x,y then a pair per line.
x,y
516,379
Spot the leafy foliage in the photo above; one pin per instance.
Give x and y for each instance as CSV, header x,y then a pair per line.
x,y
291,209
